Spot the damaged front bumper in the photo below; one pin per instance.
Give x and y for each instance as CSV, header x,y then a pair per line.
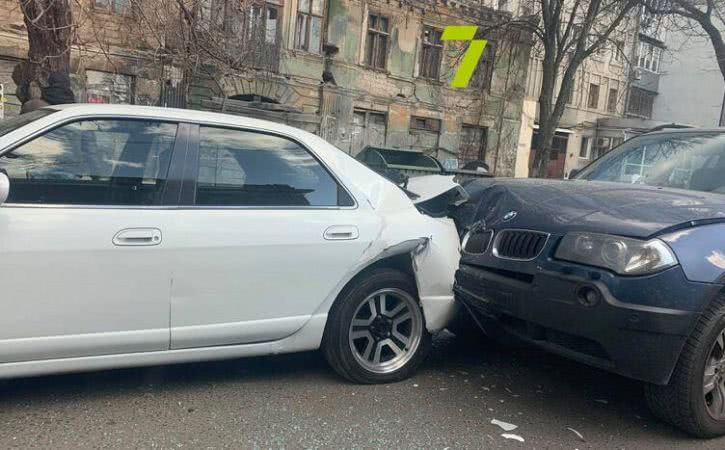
x,y
623,332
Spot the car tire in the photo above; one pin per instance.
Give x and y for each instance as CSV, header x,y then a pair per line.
x,y
685,402
374,319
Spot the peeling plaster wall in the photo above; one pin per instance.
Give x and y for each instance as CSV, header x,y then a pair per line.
x,y
396,91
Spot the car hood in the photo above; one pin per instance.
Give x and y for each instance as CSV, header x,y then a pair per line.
x,y
558,206
430,186
436,195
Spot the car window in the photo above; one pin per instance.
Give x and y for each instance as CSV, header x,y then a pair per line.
x,y
404,158
246,168
679,160
92,162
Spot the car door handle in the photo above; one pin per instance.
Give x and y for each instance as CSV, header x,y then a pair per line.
x,y
131,237
341,233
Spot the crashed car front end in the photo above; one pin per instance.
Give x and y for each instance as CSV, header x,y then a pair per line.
x,y
519,274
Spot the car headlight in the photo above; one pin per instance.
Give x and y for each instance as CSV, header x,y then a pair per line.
x,y
622,255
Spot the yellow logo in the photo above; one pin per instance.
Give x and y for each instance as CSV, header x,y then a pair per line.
x,y
470,59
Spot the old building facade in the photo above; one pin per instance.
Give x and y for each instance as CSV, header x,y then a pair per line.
x,y
600,94
357,72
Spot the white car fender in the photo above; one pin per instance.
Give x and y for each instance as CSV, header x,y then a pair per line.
x,y
435,265
434,246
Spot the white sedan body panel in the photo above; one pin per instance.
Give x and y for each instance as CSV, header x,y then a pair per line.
x,y
67,291
256,275
221,283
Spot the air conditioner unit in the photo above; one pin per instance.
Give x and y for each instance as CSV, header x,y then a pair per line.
x,y
603,143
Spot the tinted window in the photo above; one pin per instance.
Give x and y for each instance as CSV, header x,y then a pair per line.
x,y
680,160
403,158
92,162
244,168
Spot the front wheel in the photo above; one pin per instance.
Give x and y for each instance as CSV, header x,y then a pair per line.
x,y
376,330
694,399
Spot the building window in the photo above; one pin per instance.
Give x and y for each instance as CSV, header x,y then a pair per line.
x,y
432,54
118,7
263,21
425,124
107,87
308,34
585,148
376,51
612,100
649,57
593,102
424,134
641,102
571,94
484,72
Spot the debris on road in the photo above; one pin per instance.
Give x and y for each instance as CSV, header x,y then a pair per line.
x,y
515,437
579,435
505,426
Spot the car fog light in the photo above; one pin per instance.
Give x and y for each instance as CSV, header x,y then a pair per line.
x,y
588,296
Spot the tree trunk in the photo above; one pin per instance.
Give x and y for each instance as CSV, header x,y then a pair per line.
x,y
718,44
546,123
50,29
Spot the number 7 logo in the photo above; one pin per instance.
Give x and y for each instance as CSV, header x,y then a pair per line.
x,y
471,57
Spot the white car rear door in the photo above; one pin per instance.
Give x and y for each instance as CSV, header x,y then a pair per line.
x,y
268,235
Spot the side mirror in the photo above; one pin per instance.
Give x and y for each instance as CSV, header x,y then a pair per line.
x,y
4,187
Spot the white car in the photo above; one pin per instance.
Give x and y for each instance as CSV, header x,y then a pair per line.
x,y
137,235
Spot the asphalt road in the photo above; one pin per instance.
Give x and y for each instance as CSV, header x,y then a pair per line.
x,y
295,401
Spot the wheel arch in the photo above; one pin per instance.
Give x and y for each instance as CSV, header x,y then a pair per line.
x,y
402,262
718,292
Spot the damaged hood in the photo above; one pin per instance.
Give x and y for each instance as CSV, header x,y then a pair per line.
x,y
437,195
558,206
430,186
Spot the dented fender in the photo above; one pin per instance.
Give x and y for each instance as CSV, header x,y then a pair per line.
x,y
435,265
435,257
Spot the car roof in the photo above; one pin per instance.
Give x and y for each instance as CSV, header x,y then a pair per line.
x,y
190,115
685,131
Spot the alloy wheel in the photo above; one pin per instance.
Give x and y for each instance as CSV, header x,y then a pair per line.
x,y
386,330
713,385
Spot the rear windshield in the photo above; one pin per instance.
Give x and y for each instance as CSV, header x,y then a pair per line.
x,y
679,160
12,124
403,158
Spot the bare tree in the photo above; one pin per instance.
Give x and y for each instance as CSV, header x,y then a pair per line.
x,y
567,33
50,29
695,17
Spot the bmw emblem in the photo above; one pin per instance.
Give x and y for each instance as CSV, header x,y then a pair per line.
x,y
510,216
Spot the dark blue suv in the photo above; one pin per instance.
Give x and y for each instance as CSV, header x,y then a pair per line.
x,y
622,268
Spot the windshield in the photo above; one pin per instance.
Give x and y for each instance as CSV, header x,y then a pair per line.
x,y
682,160
12,124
